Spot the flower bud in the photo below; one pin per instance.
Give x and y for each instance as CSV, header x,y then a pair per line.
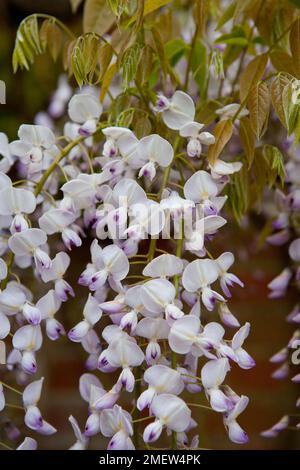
x,y
31,313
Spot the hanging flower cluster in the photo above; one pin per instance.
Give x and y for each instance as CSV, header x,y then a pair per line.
x,y
285,232
152,287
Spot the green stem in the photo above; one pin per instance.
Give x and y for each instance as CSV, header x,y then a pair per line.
x,y
140,420
17,407
179,249
200,406
55,163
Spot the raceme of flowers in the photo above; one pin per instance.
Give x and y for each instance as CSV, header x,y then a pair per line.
x,y
155,330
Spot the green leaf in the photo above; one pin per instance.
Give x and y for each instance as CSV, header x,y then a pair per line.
x,y
227,15
283,62
97,18
175,49
236,37
84,59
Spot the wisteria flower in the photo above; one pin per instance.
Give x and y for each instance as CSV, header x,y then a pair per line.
x,y
86,110
160,379
154,150
28,243
117,424
36,142
199,275
109,263
33,417
56,272
196,138
177,111
92,314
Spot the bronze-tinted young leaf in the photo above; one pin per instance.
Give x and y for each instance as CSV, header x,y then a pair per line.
x,y
109,75
252,74
295,46
97,17
67,53
259,101
280,82
247,137
222,132
141,125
